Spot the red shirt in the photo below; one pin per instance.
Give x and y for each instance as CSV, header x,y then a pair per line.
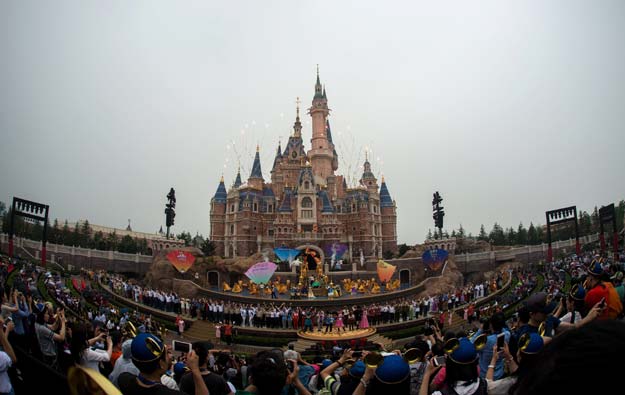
x,y
594,296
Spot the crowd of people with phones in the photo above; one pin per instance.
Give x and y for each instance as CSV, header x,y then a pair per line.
x,y
557,340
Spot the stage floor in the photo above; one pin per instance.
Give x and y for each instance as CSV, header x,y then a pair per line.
x,y
334,335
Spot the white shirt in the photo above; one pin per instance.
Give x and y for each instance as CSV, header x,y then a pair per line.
x,y
90,358
5,364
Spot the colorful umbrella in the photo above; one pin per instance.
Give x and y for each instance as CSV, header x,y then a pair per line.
x,y
181,260
261,272
385,271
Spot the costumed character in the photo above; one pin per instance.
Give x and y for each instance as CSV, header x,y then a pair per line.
x,y
226,287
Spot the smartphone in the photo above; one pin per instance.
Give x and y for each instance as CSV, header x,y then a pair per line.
x,y
184,347
439,360
501,338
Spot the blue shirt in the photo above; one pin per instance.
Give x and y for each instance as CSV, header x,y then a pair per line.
x,y
486,353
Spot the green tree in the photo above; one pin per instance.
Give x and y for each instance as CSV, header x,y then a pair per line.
x,y
620,215
55,232
521,235
483,235
542,238
429,235
3,208
186,236
511,236
461,232
402,249
66,234
497,235
388,254
208,248
585,223
128,245
35,231
453,233
112,241
85,235
99,241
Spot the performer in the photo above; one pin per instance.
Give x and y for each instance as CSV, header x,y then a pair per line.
x,y
339,323
364,322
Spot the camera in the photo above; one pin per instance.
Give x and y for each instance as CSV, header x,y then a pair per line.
x,y
501,339
179,346
439,360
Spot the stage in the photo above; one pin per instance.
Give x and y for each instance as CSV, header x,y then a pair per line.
x,y
334,335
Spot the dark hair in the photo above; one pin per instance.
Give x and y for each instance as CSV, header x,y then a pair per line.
x,y
376,387
79,341
460,372
497,322
575,361
201,351
268,372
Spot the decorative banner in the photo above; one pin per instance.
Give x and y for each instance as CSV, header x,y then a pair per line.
x,y
286,254
335,251
385,271
261,272
435,259
181,260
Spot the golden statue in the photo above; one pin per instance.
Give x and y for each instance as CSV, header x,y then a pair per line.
x,y
253,289
226,287
237,287
375,289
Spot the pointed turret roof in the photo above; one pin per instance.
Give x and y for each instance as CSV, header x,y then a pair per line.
x,y
318,87
286,201
329,131
256,171
278,157
367,173
325,200
237,181
221,194
385,196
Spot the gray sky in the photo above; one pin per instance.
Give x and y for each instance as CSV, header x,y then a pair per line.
x,y
507,108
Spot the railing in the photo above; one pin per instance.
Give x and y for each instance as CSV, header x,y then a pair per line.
x,y
77,251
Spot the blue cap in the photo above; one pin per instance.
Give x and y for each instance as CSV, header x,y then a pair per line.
x,y
180,368
146,347
595,268
531,343
325,363
393,370
465,352
578,292
357,369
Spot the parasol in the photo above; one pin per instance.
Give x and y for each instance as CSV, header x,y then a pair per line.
x,y
181,260
385,271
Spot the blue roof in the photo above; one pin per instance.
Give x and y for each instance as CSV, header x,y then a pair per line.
x,y
237,182
268,192
278,157
329,132
256,171
306,170
221,195
325,199
385,197
286,201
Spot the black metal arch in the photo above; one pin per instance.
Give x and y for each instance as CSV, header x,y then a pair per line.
x,y
32,210
558,216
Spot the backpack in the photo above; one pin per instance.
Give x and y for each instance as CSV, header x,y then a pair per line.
x,y
614,305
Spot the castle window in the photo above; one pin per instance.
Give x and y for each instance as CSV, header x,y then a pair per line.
x,y
255,207
306,185
307,214
231,229
270,232
307,202
232,208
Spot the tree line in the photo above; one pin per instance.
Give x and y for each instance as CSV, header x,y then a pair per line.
x,y
82,235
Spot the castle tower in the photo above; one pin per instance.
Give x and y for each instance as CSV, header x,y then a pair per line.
x,y
321,154
218,217
368,180
256,176
388,210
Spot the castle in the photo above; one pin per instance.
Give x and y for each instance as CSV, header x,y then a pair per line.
x,y
306,203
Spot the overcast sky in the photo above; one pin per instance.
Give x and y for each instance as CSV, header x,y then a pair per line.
x,y
508,108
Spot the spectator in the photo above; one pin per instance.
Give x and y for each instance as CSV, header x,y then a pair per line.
x,y
216,384
153,359
7,357
46,334
123,364
349,378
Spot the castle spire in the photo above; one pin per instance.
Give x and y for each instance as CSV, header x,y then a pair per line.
x,y
256,170
278,157
318,87
237,181
221,194
297,126
385,196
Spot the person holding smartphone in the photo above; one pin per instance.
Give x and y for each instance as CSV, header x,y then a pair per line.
x,y
499,335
